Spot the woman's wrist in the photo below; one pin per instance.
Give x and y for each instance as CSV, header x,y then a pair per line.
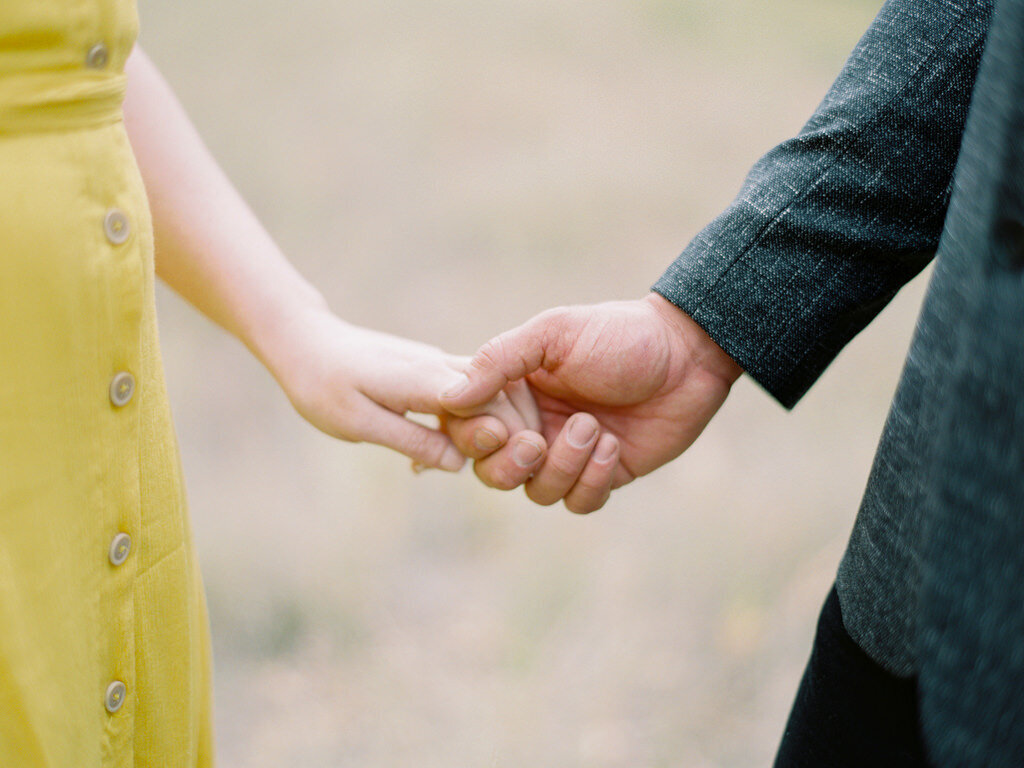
x,y
280,333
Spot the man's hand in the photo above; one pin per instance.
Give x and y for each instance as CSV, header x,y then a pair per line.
x,y
622,388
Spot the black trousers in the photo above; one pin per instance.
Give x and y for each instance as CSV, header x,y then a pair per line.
x,y
848,710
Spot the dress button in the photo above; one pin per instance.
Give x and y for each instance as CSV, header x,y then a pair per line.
x,y
116,226
119,548
122,387
97,57
116,693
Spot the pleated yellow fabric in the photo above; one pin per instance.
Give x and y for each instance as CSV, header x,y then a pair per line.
x,y
104,651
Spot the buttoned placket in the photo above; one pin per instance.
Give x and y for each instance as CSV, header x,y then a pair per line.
x,y
124,536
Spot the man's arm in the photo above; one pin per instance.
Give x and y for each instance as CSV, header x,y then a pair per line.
x,y
832,223
826,229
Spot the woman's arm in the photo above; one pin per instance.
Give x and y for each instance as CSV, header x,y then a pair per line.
x,y
350,382
211,249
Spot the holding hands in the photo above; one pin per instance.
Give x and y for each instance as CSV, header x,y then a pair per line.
x,y
621,388
572,404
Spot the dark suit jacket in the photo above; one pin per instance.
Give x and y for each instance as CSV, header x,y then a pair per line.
x,y
915,150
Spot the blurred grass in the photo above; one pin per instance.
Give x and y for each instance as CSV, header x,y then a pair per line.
x,y
444,170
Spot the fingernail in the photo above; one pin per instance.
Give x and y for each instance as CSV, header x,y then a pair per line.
x,y
451,459
606,448
457,388
526,453
581,431
485,440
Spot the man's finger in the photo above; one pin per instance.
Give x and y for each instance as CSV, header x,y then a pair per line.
x,y
505,358
512,465
594,487
567,458
478,436
621,476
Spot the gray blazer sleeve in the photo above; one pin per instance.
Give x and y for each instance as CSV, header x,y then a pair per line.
x,y
830,224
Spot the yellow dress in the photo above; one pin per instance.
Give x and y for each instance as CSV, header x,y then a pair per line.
x,y
104,652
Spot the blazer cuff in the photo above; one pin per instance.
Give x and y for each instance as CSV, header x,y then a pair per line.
x,y
781,327
831,223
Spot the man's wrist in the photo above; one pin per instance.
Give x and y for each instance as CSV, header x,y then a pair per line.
x,y
704,351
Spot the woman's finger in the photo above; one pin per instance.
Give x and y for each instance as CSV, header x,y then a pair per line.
x,y
501,407
521,397
426,447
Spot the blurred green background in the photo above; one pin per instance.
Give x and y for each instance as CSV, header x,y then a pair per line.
x,y
444,170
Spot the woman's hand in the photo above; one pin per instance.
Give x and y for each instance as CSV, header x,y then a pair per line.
x,y
358,385
351,383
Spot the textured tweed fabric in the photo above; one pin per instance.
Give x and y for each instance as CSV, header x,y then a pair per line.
x,y
917,149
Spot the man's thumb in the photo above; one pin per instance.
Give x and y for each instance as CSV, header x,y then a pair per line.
x,y
504,358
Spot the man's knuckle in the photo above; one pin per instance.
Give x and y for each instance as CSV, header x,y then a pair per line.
x,y
461,437
495,476
564,467
541,495
594,486
577,506
490,354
